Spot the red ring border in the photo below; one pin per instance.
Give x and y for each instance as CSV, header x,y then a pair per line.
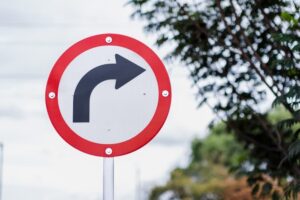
x,y
128,146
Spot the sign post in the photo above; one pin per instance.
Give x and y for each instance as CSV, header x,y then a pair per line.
x,y
108,178
1,170
108,95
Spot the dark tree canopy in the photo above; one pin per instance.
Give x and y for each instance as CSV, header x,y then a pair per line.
x,y
238,53
234,49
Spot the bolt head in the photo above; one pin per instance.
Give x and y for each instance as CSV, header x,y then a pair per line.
x,y
51,95
165,93
108,151
108,39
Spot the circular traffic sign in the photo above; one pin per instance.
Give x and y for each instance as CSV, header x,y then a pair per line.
x,y
108,95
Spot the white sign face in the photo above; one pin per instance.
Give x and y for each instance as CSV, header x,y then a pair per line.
x,y
108,95
117,112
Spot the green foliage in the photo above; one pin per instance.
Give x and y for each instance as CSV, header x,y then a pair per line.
x,y
278,114
237,52
218,148
291,98
208,168
292,190
294,150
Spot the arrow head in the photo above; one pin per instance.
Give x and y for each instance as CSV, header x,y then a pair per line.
x,y
127,71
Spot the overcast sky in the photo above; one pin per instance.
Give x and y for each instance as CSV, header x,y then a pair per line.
x,y
38,164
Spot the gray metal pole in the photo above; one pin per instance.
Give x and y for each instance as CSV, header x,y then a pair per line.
x,y
1,169
138,184
108,179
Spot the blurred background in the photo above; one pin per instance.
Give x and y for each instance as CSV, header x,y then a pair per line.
x,y
233,129
38,164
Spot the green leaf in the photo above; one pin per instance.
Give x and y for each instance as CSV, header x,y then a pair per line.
x,y
277,101
287,123
286,16
294,150
297,115
281,37
161,40
296,47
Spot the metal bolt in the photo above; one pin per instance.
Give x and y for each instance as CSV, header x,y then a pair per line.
x,y
108,151
108,39
165,93
51,95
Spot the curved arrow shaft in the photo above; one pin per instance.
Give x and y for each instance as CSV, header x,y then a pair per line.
x,y
85,87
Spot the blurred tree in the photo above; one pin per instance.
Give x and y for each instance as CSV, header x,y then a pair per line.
x,y
237,52
209,174
206,177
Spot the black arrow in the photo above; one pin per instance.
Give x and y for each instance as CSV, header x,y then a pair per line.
x,y
123,71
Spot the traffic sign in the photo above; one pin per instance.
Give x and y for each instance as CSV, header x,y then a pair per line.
x,y
108,95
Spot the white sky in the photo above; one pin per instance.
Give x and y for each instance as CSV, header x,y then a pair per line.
x,y
38,164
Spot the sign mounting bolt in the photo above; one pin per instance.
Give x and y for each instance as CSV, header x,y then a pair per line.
x,y
108,39
165,93
108,151
51,95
